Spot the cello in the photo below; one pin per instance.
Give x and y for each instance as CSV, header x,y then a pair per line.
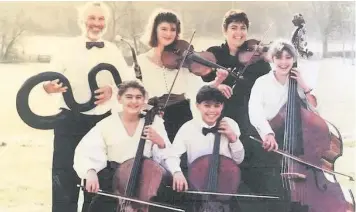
x,y
214,173
139,177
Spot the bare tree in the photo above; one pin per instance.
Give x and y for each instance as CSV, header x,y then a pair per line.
x,y
12,27
328,15
118,12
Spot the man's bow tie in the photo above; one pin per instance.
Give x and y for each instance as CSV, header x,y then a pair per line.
x,y
90,45
205,130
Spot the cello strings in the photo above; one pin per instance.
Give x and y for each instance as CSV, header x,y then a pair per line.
x,y
291,131
293,123
290,127
284,149
134,171
286,139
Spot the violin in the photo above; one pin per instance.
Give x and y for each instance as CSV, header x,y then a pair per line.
x,y
252,51
199,63
139,177
202,63
214,173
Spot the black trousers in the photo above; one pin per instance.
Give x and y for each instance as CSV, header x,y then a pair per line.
x,y
67,135
260,175
100,203
175,116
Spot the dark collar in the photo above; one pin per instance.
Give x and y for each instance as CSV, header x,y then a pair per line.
x,y
225,47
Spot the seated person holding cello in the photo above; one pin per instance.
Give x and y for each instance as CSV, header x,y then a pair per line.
x,y
115,139
196,137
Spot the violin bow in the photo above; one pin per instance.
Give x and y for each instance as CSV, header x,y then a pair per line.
x,y
185,54
285,154
108,194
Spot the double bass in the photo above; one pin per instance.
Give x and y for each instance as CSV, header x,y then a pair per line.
x,y
309,152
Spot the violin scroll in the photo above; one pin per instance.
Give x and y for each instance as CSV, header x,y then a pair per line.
x,y
253,52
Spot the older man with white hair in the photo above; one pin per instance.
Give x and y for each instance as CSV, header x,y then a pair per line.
x,y
75,60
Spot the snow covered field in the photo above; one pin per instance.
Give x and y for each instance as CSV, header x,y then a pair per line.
x,y
25,181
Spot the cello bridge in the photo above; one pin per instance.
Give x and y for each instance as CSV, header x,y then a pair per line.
x,y
294,176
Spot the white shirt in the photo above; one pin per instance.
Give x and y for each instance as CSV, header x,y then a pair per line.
x,y
75,61
190,139
109,141
267,98
158,81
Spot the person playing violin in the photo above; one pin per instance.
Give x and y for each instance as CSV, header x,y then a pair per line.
x,y
163,29
196,136
268,95
235,27
74,60
115,139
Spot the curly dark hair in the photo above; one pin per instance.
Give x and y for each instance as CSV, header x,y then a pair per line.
x,y
235,16
130,84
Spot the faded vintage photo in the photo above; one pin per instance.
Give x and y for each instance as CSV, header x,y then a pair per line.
x,y
204,106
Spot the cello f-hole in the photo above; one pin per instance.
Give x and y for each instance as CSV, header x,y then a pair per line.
x,y
321,186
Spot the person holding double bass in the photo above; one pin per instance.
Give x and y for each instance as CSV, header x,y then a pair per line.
x,y
235,27
74,60
197,138
262,105
283,109
114,140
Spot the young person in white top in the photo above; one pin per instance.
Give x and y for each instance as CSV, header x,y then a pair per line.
x,y
268,95
270,92
74,60
115,140
163,28
192,139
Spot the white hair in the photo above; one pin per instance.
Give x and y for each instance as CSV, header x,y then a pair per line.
x,y
82,14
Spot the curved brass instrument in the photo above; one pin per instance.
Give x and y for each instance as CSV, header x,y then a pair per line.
x,y
48,122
